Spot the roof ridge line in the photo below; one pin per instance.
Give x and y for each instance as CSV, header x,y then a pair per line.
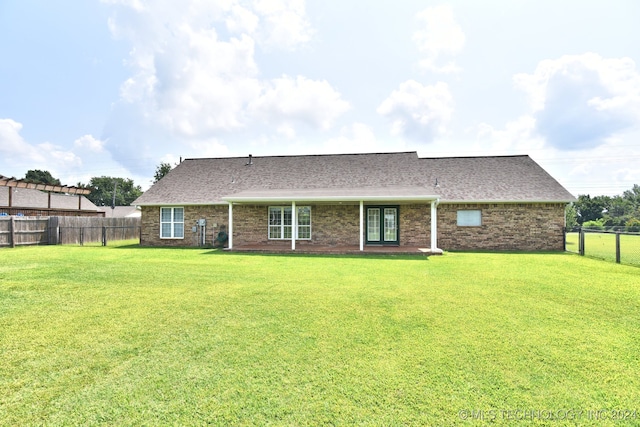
x,y
303,155
475,157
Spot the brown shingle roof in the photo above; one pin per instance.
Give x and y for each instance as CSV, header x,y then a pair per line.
x,y
497,178
209,181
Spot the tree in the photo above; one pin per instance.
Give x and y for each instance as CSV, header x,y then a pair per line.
x,y
616,211
571,216
161,170
633,196
38,176
102,189
589,209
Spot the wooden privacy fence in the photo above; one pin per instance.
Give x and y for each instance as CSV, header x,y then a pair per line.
x,y
17,231
57,230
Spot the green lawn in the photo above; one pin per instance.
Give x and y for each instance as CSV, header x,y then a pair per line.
x,y
603,246
141,336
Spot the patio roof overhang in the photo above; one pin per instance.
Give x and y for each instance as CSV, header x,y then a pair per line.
x,y
337,195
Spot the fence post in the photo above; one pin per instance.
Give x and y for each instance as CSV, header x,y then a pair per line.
x,y
618,247
104,236
81,236
581,242
12,232
54,231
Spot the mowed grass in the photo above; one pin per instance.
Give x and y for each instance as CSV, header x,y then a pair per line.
x,y
142,336
603,246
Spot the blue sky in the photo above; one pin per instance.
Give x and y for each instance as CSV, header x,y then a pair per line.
x,y
114,87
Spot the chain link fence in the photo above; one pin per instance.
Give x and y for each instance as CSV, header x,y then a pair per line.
x,y
617,246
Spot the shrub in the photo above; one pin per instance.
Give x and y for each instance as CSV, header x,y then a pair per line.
x,y
594,225
633,224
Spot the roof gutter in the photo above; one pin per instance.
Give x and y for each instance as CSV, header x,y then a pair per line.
x,y
470,201
283,199
180,204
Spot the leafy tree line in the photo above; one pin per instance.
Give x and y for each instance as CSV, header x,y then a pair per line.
x,y
607,212
103,188
36,176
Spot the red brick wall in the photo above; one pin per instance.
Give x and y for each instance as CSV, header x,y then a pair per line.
x,y
150,236
415,225
331,225
528,227
520,227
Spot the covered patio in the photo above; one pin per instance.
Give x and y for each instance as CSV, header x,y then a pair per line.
x,y
285,248
355,196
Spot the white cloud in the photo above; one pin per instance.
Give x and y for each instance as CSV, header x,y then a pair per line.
x,y
84,160
23,156
284,23
356,138
579,101
518,136
205,85
242,20
12,145
288,100
440,35
194,77
208,148
90,143
418,112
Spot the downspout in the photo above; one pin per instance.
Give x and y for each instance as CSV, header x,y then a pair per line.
x,y
434,226
230,246
361,225
294,226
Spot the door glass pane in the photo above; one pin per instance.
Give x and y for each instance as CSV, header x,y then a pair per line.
x,y
373,224
390,231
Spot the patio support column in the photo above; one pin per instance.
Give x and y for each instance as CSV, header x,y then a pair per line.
x,y
361,225
434,225
230,237
294,226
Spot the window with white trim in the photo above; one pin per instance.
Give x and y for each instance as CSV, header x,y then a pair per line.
x,y
171,223
469,218
280,222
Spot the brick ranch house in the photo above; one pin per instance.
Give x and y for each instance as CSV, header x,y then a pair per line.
x,y
358,202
